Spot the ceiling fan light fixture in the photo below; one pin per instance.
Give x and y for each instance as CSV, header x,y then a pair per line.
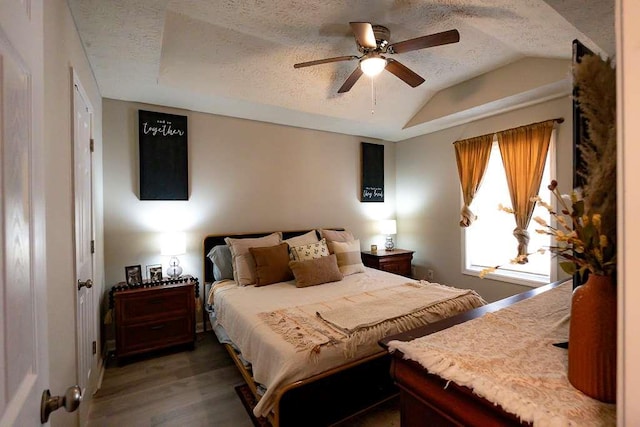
x,y
373,65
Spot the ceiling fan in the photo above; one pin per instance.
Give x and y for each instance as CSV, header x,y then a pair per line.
x,y
373,42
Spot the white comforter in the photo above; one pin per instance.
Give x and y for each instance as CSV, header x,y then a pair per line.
x,y
275,362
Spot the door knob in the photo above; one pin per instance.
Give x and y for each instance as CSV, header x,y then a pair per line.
x,y
87,283
71,400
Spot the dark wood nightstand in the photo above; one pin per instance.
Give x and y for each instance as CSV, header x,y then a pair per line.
x,y
397,261
155,317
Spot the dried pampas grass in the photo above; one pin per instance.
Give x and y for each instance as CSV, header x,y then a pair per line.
x,y
595,83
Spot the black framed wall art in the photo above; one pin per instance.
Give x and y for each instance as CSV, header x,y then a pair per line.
x,y
372,173
164,172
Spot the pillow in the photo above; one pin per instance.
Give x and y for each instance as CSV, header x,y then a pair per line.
x,y
220,256
310,251
244,267
304,239
272,264
316,271
348,256
336,236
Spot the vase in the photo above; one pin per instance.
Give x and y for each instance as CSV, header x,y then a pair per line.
x,y
592,338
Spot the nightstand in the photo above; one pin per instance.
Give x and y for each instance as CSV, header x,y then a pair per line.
x,y
397,261
155,316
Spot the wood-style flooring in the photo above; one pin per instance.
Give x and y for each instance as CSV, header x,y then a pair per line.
x,y
187,388
184,388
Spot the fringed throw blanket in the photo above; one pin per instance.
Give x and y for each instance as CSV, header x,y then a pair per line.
x,y
369,316
508,358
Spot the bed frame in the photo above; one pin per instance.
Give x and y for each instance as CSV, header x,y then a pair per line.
x,y
328,397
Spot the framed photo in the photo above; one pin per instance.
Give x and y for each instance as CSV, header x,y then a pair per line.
x,y
154,272
133,275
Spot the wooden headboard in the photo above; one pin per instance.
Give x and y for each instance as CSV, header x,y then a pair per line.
x,y
218,239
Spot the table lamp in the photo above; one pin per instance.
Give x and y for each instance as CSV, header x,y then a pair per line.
x,y
388,227
173,244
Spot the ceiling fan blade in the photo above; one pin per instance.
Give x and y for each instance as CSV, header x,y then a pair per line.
x,y
403,73
446,37
351,80
364,34
325,61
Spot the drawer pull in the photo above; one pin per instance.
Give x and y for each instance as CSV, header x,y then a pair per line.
x,y
156,327
156,301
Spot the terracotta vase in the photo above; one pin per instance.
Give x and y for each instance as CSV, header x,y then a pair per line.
x,y
592,338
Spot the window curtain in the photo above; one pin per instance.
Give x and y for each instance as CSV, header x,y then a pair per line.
x,y
472,156
524,152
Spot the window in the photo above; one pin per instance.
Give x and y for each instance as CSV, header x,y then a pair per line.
x,y
489,241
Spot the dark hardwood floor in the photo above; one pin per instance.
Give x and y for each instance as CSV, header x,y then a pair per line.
x,y
189,388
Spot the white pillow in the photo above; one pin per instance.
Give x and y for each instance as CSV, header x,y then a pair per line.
x,y
349,257
310,251
303,239
244,266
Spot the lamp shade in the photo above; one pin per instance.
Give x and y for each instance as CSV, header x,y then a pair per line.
x,y
173,244
388,226
373,65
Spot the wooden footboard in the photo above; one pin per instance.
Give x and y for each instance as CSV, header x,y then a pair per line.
x,y
331,395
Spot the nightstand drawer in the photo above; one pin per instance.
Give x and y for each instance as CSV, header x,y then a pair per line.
x,y
135,308
146,336
396,266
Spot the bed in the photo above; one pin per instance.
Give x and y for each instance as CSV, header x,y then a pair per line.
x,y
315,348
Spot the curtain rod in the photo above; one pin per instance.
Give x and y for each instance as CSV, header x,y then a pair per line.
x,y
557,120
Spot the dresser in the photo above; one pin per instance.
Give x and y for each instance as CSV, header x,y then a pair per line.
x,y
429,399
153,318
397,261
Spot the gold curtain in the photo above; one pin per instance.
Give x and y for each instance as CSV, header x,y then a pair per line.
x,y
472,156
524,152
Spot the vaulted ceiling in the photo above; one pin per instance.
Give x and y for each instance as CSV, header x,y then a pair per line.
x,y
235,57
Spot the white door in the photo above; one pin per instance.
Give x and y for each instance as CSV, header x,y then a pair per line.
x,y
85,310
24,360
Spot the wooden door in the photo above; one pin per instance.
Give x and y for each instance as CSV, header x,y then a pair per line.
x,y
83,218
23,340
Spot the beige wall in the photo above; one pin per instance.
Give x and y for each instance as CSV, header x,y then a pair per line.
x,y
63,51
429,199
245,176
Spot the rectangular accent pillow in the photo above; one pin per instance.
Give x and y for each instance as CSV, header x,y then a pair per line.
x,y
244,266
349,257
272,264
310,251
316,271
220,256
336,236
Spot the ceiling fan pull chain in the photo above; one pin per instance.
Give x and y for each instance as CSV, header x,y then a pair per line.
x,y
373,96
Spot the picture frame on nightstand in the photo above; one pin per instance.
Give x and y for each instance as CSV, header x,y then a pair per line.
x,y
154,272
133,275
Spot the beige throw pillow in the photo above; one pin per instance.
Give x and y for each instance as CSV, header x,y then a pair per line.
x,y
316,271
244,266
336,236
303,239
348,257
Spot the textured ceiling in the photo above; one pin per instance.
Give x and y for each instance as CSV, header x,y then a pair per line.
x,y
236,58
